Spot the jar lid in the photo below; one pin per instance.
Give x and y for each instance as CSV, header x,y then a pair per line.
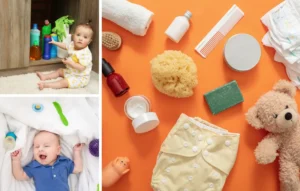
x,y
136,105
145,122
242,52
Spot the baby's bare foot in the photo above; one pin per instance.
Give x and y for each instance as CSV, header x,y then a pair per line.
x,y
41,85
41,76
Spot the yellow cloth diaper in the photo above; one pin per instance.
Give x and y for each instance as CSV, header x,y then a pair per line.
x,y
195,156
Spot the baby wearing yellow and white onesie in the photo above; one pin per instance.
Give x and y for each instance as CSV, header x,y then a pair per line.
x,y
76,78
195,156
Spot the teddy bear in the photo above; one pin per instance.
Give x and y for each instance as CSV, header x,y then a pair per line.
x,y
114,171
277,112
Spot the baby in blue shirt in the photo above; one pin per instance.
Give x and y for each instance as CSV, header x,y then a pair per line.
x,y
49,170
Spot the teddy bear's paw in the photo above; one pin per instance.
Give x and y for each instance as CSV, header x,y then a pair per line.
x,y
265,156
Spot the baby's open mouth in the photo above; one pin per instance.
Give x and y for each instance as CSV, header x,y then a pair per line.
x,y
43,157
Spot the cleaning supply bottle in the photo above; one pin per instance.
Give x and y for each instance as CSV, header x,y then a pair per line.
x,y
47,47
35,51
35,34
46,30
115,81
53,51
178,27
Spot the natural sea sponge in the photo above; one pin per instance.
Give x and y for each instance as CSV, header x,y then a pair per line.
x,y
174,74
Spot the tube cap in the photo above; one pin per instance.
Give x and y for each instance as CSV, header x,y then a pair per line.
x,y
188,14
145,122
106,68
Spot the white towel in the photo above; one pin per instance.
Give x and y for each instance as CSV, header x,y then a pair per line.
x,y
132,17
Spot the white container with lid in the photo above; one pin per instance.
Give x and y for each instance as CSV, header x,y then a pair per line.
x,y
137,108
178,27
242,52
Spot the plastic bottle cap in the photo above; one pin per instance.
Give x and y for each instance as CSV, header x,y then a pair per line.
x,y
107,69
47,36
11,134
145,122
242,52
53,34
188,14
35,26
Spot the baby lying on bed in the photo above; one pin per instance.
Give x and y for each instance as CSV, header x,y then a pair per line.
x,y
49,170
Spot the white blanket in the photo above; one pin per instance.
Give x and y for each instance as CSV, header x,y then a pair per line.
x,y
17,115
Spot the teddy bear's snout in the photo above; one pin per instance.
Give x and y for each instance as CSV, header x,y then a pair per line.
x,y
288,116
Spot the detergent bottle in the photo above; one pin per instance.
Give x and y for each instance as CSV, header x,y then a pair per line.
x,y
35,34
53,50
35,51
46,30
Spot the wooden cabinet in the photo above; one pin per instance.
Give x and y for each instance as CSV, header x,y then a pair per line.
x,y
16,18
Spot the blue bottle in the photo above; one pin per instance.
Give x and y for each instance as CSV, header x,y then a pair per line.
x,y
53,51
34,35
47,47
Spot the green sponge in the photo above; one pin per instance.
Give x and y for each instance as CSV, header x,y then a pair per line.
x,y
224,97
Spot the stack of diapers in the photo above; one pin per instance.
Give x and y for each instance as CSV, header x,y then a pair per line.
x,y
132,17
19,116
283,23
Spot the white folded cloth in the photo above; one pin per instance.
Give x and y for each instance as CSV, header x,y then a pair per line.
x,y
132,17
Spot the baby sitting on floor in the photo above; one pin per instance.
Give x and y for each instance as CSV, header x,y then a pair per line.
x,y
49,169
78,64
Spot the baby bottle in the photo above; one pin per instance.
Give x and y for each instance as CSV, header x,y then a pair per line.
x,y
178,27
10,141
34,34
35,51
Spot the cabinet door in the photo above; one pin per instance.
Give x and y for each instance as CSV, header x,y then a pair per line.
x,y
14,33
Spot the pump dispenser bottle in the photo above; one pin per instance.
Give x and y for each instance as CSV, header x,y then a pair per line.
x,y
178,27
115,81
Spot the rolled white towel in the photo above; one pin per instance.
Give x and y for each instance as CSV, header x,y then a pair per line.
x,y
132,17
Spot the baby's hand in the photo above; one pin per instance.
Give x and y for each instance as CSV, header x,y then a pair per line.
x,y
78,147
51,42
16,155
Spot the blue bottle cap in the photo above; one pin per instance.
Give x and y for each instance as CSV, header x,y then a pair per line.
x,y
35,26
11,134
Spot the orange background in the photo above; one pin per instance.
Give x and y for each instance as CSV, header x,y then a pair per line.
x,y
132,62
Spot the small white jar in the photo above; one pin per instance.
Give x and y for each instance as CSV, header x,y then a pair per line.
x,y
137,108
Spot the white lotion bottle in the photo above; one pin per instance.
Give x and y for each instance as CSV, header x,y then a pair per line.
x,y
178,27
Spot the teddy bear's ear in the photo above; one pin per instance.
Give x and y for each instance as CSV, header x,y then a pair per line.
x,y
285,87
253,119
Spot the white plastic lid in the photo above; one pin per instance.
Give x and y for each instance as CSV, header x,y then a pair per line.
x,y
242,52
188,14
145,122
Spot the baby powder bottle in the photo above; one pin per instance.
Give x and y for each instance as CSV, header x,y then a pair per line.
x,y
47,47
178,27
35,51
35,34
115,81
53,51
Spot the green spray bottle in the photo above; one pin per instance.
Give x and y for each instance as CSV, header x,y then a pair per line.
x,y
46,30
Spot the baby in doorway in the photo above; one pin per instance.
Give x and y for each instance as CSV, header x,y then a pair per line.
x,y
78,64
49,170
